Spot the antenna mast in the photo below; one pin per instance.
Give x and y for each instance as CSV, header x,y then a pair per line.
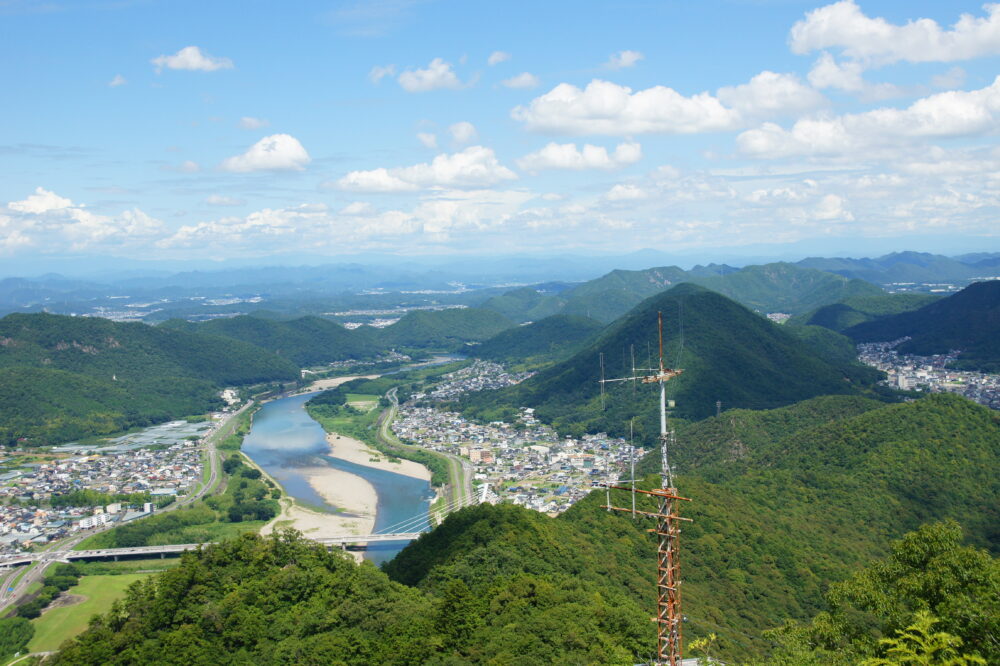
x,y
668,580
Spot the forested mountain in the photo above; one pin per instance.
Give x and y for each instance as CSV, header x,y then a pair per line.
x,y
785,503
727,352
69,377
778,287
551,338
304,341
968,321
859,309
440,328
903,267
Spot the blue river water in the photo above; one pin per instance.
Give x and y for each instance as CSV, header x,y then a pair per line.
x,y
284,439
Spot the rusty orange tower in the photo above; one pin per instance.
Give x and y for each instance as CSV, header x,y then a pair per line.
x,y
668,572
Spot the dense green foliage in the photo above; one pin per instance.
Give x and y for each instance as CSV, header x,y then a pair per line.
x,y
968,321
305,341
88,497
928,574
550,339
65,378
729,354
15,634
858,309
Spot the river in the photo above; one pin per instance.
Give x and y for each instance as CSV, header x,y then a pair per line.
x,y
284,439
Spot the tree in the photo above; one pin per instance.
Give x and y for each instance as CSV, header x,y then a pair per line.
x,y
916,645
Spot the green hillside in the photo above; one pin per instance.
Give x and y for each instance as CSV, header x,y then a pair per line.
x,y
968,321
525,304
897,267
729,354
551,338
304,341
783,287
442,329
71,377
858,309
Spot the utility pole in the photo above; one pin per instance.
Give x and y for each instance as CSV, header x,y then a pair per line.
x,y
668,580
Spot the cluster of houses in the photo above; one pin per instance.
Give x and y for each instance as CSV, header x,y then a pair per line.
x,y
26,512
480,376
526,462
930,373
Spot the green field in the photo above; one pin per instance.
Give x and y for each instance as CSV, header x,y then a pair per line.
x,y
58,624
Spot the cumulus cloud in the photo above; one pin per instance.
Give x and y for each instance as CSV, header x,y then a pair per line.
x,y
771,94
476,166
608,108
436,76
568,156
427,139
847,76
874,40
497,57
463,132
521,81
947,114
189,166
119,80
626,192
379,72
191,58
623,59
57,223
250,123
278,152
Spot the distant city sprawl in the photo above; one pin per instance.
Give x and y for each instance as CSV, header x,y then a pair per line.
x,y
930,373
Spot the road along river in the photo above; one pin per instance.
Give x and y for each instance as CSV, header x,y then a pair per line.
x,y
335,496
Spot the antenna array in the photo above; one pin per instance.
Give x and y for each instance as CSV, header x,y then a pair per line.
x,y
668,581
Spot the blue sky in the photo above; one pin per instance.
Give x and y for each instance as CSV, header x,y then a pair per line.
x,y
167,130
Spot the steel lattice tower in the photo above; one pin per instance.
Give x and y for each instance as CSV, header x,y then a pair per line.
x,y
668,579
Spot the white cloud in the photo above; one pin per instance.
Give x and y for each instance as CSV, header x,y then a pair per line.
x,y
191,58
831,208
568,156
356,208
875,41
275,152
608,108
119,80
189,166
626,192
847,76
943,115
771,94
521,81
250,123
42,201
379,72
427,139
55,223
623,59
436,76
497,57
220,200
463,132
476,166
